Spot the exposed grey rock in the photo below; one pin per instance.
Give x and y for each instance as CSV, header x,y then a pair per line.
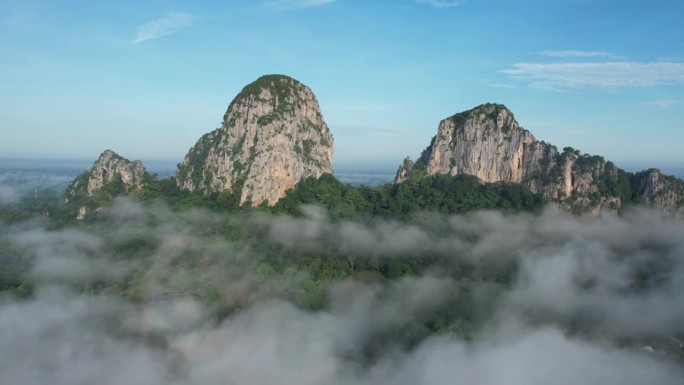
x,y
273,135
665,193
404,170
488,142
111,172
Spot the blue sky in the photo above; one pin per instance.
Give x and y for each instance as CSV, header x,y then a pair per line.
x,y
148,78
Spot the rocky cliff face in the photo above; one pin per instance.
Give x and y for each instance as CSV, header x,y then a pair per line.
x,y
273,135
488,142
403,173
110,175
665,193
485,142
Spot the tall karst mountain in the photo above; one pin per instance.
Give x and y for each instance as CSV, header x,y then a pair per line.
x,y
110,175
488,142
273,135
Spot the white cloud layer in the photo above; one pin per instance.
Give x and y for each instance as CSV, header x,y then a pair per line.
x,y
571,272
173,22
573,76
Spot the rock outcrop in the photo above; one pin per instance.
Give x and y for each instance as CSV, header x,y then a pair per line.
x,y
665,193
110,175
403,173
272,136
488,142
485,142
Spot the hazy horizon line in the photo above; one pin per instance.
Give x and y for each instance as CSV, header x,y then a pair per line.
x,y
342,166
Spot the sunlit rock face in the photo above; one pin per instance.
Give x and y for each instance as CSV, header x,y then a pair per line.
x,y
273,135
403,173
665,193
488,142
485,142
110,171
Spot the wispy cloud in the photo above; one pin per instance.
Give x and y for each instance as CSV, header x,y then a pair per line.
x,y
292,4
166,25
573,53
500,85
574,76
440,3
665,103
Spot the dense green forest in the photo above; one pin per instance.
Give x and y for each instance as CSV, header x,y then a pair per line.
x,y
300,273
439,193
165,243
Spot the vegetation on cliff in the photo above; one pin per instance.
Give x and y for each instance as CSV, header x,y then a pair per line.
x,y
327,240
272,136
487,142
354,276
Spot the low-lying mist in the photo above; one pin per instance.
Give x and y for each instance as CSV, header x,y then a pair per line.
x,y
16,184
146,295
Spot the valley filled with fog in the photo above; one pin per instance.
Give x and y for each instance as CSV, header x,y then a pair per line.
x,y
146,294
305,192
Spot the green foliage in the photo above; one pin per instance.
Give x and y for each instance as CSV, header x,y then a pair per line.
x,y
438,193
267,119
551,164
303,274
667,185
611,181
310,126
308,145
342,200
192,166
279,85
490,110
422,162
14,272
616,182
591,164
238,167
79,186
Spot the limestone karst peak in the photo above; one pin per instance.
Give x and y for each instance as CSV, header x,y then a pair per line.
x,y
487,142
110,174
487,116
403,173
272,136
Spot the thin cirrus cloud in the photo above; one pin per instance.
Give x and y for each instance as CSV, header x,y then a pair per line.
x,y
665,103
171,23
293,4
575,76
574,53
440,3
500,85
